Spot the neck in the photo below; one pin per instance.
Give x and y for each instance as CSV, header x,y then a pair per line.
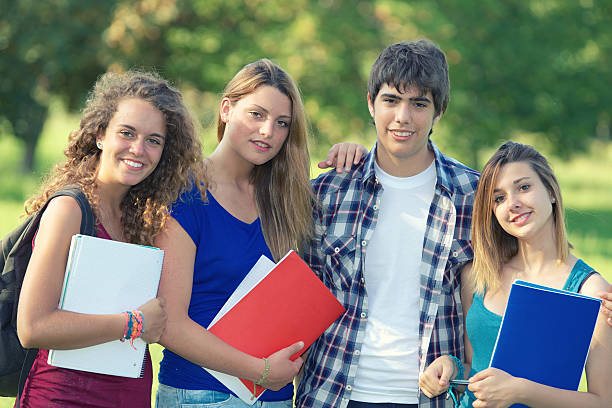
x,y
110,197
403,166
538,253
228,167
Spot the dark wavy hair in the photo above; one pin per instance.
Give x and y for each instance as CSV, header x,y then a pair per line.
x,y
420,63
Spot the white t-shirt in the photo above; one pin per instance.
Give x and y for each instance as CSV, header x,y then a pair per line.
x,y
388,369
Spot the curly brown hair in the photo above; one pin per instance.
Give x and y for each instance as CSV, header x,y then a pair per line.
x,y
145,207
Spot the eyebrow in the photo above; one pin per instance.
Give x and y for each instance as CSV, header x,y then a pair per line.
x,y
413,99
268,112
134,129
517,181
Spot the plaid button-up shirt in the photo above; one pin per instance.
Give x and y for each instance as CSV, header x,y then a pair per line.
x,y
344,222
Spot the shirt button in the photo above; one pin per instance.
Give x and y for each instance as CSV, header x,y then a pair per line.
x,y
363,315
357,352
336,249
455,254
375,207
363,243
348,388
362,280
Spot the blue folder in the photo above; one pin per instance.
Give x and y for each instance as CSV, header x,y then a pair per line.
x,y
545,335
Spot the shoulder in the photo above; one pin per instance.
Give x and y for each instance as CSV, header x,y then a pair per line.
x,y
468,277
61,218
63,208
458,177
594,284
332,182
188,199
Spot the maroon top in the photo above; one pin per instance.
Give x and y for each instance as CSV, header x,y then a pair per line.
x,y
49,386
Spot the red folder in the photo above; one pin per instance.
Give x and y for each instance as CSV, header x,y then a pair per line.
x,y
289,305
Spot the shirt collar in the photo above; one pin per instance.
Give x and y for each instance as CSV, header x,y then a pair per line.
x,y
443,179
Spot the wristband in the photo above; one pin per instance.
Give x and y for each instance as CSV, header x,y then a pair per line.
x,y
460,368
263,378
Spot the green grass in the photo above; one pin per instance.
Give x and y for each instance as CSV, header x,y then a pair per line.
x,y
585,181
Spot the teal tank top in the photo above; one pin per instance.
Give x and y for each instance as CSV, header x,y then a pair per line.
x,y
482,325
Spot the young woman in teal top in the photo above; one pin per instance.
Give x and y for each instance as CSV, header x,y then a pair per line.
x,y
518,232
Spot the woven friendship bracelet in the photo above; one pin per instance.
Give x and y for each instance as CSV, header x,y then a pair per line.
x,y
451,389
134,326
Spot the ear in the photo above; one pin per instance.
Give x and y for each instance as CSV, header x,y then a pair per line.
x,y
225,109
100,136
436,119
371,105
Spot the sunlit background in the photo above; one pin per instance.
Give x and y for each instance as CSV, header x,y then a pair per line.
x,y
533,71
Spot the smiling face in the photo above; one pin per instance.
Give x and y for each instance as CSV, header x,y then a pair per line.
x,y
403,122
522,204
258,124
132,143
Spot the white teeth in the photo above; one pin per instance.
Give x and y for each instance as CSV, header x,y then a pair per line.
x,y
522,217
132,163
403,134
260,144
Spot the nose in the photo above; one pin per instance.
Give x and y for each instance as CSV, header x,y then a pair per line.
x,y
137,147
513,201
402,113
267,128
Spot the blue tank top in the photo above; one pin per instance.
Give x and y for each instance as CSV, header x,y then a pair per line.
x,y
482,325
226,250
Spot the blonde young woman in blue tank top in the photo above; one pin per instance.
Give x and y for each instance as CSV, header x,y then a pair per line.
x,y
518,232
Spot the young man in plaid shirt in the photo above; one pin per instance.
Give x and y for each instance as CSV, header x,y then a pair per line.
x,y
390,237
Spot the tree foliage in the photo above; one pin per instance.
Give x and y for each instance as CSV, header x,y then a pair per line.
x,y
516,66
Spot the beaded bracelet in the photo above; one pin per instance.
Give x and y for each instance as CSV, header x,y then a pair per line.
x,y
451,388
263,378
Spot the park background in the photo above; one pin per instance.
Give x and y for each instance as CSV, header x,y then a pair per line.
x,y
532,71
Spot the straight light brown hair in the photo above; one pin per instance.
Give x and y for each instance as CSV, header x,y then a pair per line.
x,y
493,247
282,185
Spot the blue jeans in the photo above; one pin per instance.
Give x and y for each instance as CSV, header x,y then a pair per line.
x,y
170,397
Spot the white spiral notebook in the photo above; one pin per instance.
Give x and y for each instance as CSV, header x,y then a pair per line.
x,y
105,277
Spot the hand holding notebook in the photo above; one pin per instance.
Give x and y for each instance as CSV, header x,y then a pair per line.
x,y
274,307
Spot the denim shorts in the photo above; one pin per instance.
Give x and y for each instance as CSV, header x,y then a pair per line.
x,y
170,397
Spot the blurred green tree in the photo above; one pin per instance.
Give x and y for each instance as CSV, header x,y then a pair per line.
x,y
516,66
527,66
47,48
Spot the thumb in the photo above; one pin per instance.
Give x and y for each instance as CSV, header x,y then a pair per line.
x,y
294,348
324,164
444,378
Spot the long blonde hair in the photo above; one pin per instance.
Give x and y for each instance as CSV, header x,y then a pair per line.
x,y
145,206
282,185
493,247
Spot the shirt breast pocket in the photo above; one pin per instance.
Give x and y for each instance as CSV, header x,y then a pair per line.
x,y
340,257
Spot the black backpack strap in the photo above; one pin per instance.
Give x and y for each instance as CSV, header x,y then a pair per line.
x,y
28,362
88,227
87,218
